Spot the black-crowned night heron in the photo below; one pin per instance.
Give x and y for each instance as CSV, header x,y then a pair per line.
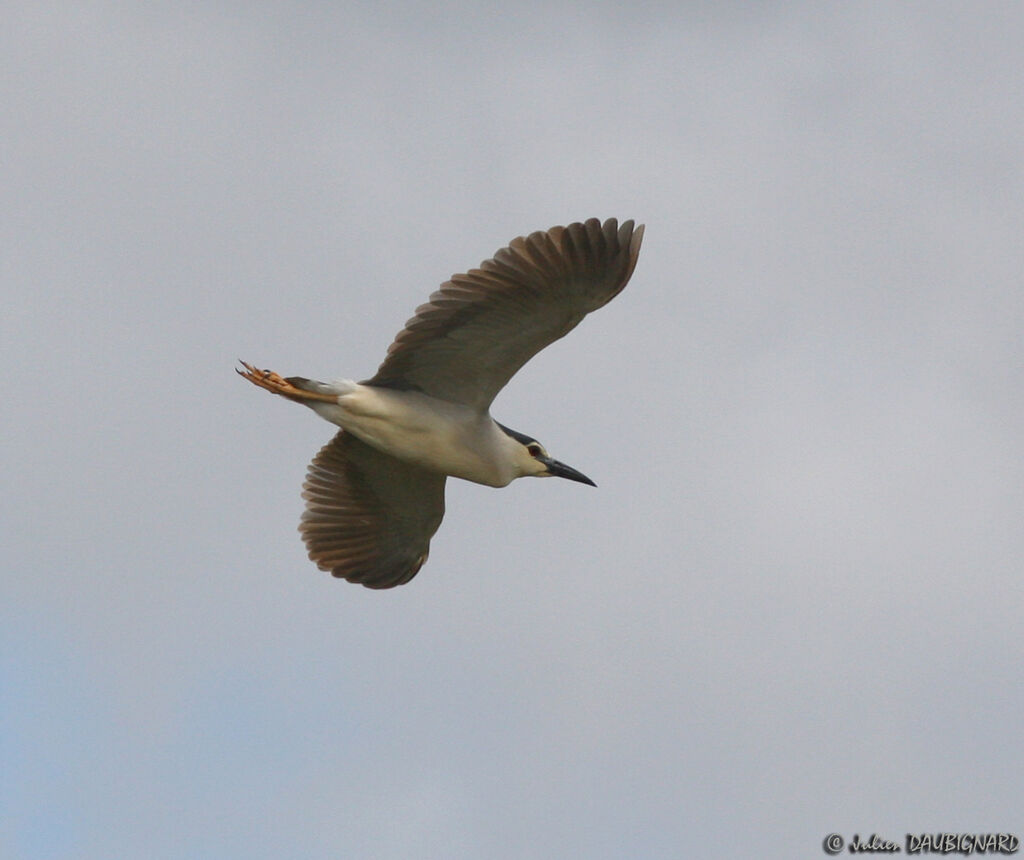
x,y
375,493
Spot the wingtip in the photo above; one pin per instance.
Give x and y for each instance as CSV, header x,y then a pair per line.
x,y
638,237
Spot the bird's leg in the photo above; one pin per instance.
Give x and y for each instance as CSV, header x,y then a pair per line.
x,y
277,384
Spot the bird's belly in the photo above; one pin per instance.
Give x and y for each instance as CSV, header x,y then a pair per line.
x,y
437,435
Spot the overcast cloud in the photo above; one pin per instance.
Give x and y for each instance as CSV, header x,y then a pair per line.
x,y
792,607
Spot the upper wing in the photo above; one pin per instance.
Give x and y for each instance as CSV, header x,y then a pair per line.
x,y
479,328
369,517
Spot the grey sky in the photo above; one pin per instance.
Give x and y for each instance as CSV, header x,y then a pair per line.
x,y
793,605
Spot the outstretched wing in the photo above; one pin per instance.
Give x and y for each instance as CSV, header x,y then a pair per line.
x,y
479,328
369,517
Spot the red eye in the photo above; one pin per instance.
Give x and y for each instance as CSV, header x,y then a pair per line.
x,y
534,450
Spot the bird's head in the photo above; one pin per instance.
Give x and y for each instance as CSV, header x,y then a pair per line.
x,y
533,460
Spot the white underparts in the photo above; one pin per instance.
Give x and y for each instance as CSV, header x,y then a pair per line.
x,y
435,434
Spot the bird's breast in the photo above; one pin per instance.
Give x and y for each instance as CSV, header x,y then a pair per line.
x,y
435,434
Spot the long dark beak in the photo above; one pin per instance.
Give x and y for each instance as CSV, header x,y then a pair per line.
x,y
560,470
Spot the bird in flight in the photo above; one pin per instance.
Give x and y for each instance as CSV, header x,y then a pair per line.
x,y
375,493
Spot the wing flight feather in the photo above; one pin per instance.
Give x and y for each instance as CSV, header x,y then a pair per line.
x,y
369,517
480,327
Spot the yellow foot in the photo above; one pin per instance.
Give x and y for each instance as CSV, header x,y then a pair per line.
x,y
277,384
